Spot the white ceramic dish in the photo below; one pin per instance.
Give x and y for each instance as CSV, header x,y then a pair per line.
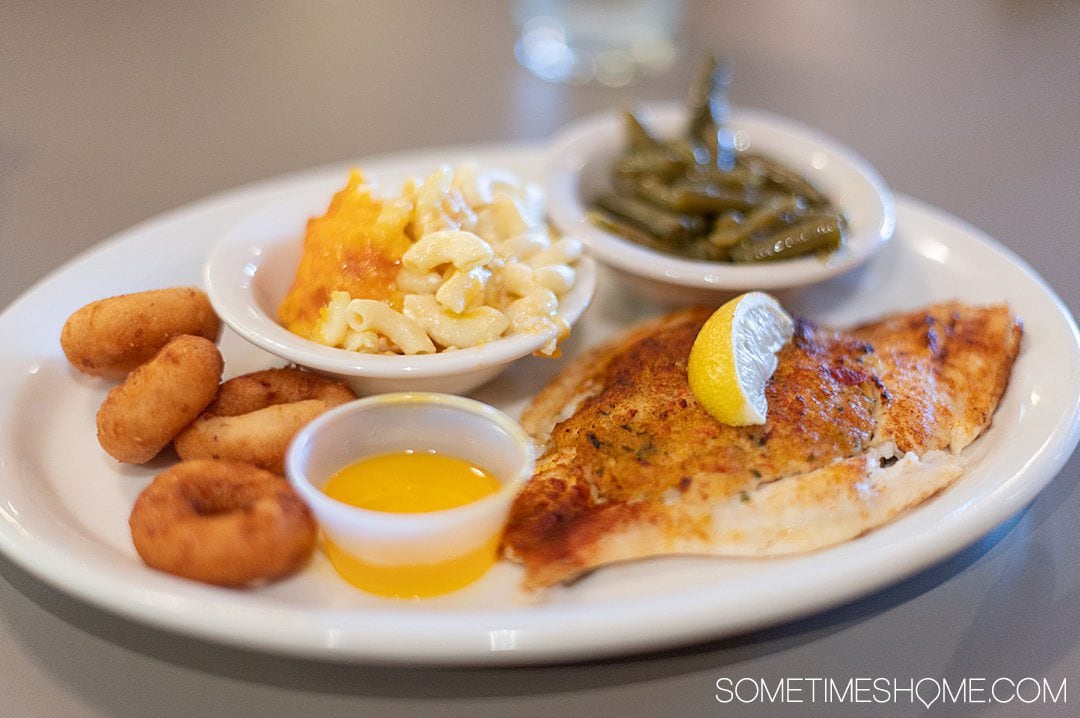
x,y
411,421
64,504
251,269
580,168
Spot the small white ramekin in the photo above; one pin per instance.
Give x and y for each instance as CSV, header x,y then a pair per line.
x,y
453,425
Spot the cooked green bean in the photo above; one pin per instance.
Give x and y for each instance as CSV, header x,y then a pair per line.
x,y
783,177
708,108
638,136
695,199
778,210
818,233
696,196
629,231
739,176
728,230
649,164
664,226
702,248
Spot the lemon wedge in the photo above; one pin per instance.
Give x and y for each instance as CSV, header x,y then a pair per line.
x,y
734,355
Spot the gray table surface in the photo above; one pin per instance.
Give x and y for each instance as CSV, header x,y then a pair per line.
x,y
111,113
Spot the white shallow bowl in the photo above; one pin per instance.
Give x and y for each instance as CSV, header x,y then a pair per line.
x,y
252,267
580,170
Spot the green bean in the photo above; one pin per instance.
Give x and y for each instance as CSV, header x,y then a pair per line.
x,y
728,230
650,164
629,231
737,176
664,226
777,211
702,248
774,214
709,110
696,196
695,199
699,103
783,177
638,136
648,188
817,233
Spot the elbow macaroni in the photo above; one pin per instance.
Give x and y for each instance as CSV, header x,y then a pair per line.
x,y
482,264
455,330
464,250
359,324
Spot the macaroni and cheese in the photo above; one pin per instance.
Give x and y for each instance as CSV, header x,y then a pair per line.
x,y
479,263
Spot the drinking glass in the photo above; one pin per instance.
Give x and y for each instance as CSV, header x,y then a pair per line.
x,y
613,42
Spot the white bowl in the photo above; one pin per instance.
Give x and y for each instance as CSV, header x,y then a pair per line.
x,y
421,543
580,170
252,267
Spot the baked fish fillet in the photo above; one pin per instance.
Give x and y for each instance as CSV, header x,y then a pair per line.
x,y
862,425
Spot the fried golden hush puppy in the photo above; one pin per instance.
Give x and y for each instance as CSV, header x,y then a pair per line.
x,y
226,517
111,337
142,416
222,522
255,416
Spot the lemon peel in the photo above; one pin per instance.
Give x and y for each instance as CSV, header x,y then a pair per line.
x,y
734,355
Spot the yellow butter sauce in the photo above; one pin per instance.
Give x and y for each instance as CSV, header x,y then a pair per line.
x,y
412,482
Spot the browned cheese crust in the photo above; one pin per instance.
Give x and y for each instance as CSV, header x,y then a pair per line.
x,y
634,466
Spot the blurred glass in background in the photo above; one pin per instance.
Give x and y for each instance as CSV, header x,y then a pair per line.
x,y
612,42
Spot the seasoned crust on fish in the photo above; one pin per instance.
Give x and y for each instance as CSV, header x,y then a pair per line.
x,y
635,467
946,368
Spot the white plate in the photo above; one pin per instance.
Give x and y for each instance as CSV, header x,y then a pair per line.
x,y
64,504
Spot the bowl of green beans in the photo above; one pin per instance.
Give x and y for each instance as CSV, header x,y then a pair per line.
x,y
688,205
